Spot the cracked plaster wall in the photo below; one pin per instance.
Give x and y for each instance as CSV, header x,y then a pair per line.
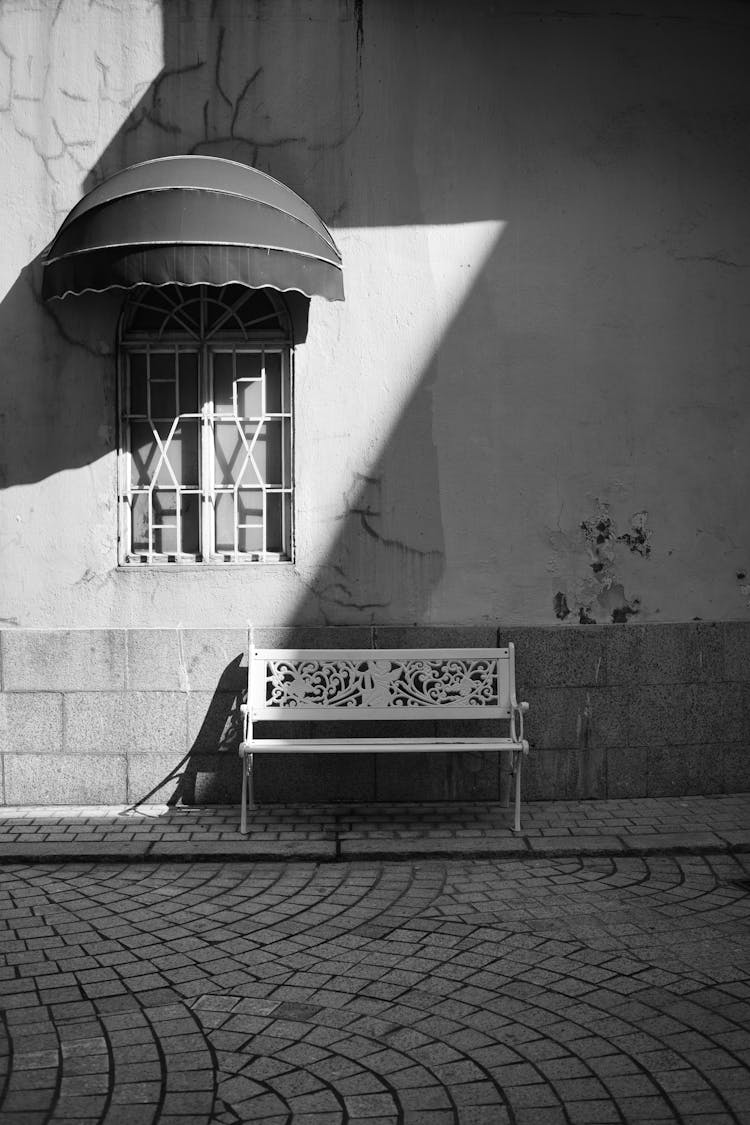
x,y
545,236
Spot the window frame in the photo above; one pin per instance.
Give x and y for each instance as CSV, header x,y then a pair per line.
x,y
204,347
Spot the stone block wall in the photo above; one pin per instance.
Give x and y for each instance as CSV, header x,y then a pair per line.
x,y
125,716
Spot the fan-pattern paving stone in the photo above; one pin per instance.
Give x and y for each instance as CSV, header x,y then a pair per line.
x,y
490,992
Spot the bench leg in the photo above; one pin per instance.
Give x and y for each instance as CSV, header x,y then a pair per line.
x,y
517,757
243,813
506,786
248,793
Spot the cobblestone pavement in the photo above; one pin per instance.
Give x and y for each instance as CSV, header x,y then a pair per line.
x,y
483,992
634,826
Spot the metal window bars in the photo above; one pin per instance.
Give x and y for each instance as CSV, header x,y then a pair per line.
x,y
205,464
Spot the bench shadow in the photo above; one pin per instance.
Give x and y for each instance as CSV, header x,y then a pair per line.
x,y
210,772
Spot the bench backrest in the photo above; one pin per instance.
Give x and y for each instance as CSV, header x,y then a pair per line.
x,y
367,684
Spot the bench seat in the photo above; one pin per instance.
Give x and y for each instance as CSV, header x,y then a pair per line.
x,y
371,745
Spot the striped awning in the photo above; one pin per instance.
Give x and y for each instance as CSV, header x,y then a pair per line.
x,y
191,220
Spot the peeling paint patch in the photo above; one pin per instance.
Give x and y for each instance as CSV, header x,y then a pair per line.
x,y
621,614
637,538
602,597
560,605
617,606
600,537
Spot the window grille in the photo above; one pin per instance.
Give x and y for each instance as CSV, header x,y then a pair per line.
x,y
206,426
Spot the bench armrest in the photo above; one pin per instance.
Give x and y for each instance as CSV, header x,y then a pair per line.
x,y
245,712
518,710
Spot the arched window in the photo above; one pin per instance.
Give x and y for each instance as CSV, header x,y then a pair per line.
x,y
206,426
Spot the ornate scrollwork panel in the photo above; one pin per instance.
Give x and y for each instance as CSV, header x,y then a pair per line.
x,y
453,682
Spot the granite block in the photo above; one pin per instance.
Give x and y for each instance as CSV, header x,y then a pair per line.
x,y
125,721
473,775
586,717
282,728
450,776
155,660
737,650
155,778
627,771
692,652
735,764
314,636
64,660
586,773
558,656
68,779
214,720
388,728
623,646
544,775
468,728
215,659
30,722
211,779
412,777
435,636
720,713
314,777
660,714
679,771
505,781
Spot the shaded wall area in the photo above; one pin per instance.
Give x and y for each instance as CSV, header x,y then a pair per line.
x,y
127,716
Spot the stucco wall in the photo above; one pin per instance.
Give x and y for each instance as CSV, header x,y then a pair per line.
x,y
533,405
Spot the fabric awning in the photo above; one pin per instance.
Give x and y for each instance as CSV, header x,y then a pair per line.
x,y
192,220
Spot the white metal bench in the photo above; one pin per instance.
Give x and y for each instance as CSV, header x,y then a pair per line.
x,y
381,684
